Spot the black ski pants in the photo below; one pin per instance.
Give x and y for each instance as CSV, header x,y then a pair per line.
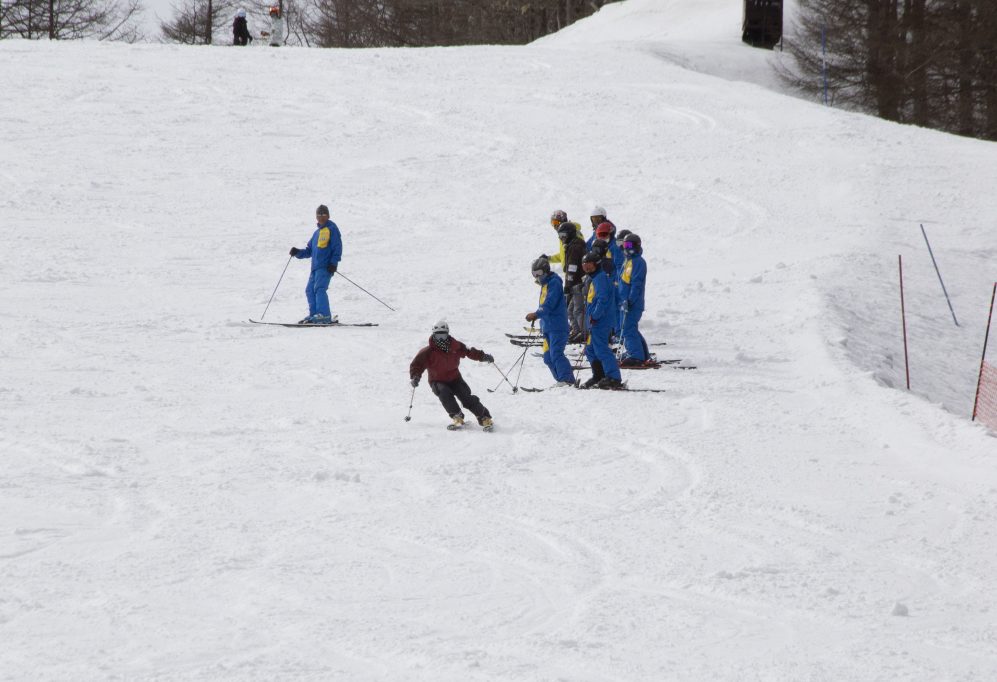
x,y
449,392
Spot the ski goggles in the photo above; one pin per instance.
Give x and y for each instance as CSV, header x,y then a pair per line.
x,y
629,245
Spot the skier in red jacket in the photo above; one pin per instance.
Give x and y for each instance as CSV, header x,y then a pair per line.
x,y
442,359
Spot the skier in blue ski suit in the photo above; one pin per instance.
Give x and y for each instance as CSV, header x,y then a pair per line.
x,y
619,239
598,218
325,248
553,316
632,280
603,242
604,237
601,309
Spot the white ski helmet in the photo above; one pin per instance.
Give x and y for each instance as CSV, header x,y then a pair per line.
x,y
597,211
441,328
241,13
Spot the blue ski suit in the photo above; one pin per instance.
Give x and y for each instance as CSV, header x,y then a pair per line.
x,y
325,248
632,280
612,264
619,262
553,316
614,254
601,309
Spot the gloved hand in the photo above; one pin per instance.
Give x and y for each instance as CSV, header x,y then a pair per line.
x,y
295,251
415,382
625,306
530,317
487,358
331,267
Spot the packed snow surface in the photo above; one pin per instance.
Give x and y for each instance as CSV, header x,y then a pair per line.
x,y
185,495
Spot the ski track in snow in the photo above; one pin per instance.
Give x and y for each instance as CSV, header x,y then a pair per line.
x,y
190,496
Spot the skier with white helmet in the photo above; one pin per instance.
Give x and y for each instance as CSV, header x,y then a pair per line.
x,y
240,30
599,224
604,239
597,216
441,358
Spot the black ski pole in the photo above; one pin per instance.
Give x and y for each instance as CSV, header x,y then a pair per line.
x,y
275,288
620,348
939,273
365,291
505,378
408,417
578,361
516,387
522,364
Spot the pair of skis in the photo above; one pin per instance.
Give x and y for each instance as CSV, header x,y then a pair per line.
x,y
623,389
460,427
537,340
320,326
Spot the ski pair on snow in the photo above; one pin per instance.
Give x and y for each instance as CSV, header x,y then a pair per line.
x,y
457,426
624,388
318,326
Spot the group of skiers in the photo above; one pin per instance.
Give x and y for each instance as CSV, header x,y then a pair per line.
x,y
601,297
240,28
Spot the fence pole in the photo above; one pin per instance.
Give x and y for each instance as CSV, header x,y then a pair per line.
x,y
903,316
986,339
938,272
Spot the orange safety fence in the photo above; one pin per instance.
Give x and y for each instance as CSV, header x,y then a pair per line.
x,y
985,405
986,397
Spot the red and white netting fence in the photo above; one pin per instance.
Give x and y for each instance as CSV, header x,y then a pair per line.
x,y
985,406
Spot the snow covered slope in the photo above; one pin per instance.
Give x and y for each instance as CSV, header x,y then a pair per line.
x,y
187,496
701,35
647,21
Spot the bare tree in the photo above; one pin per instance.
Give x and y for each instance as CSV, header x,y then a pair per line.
x,y
928,62
195,22
374,23
349,23
69,19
